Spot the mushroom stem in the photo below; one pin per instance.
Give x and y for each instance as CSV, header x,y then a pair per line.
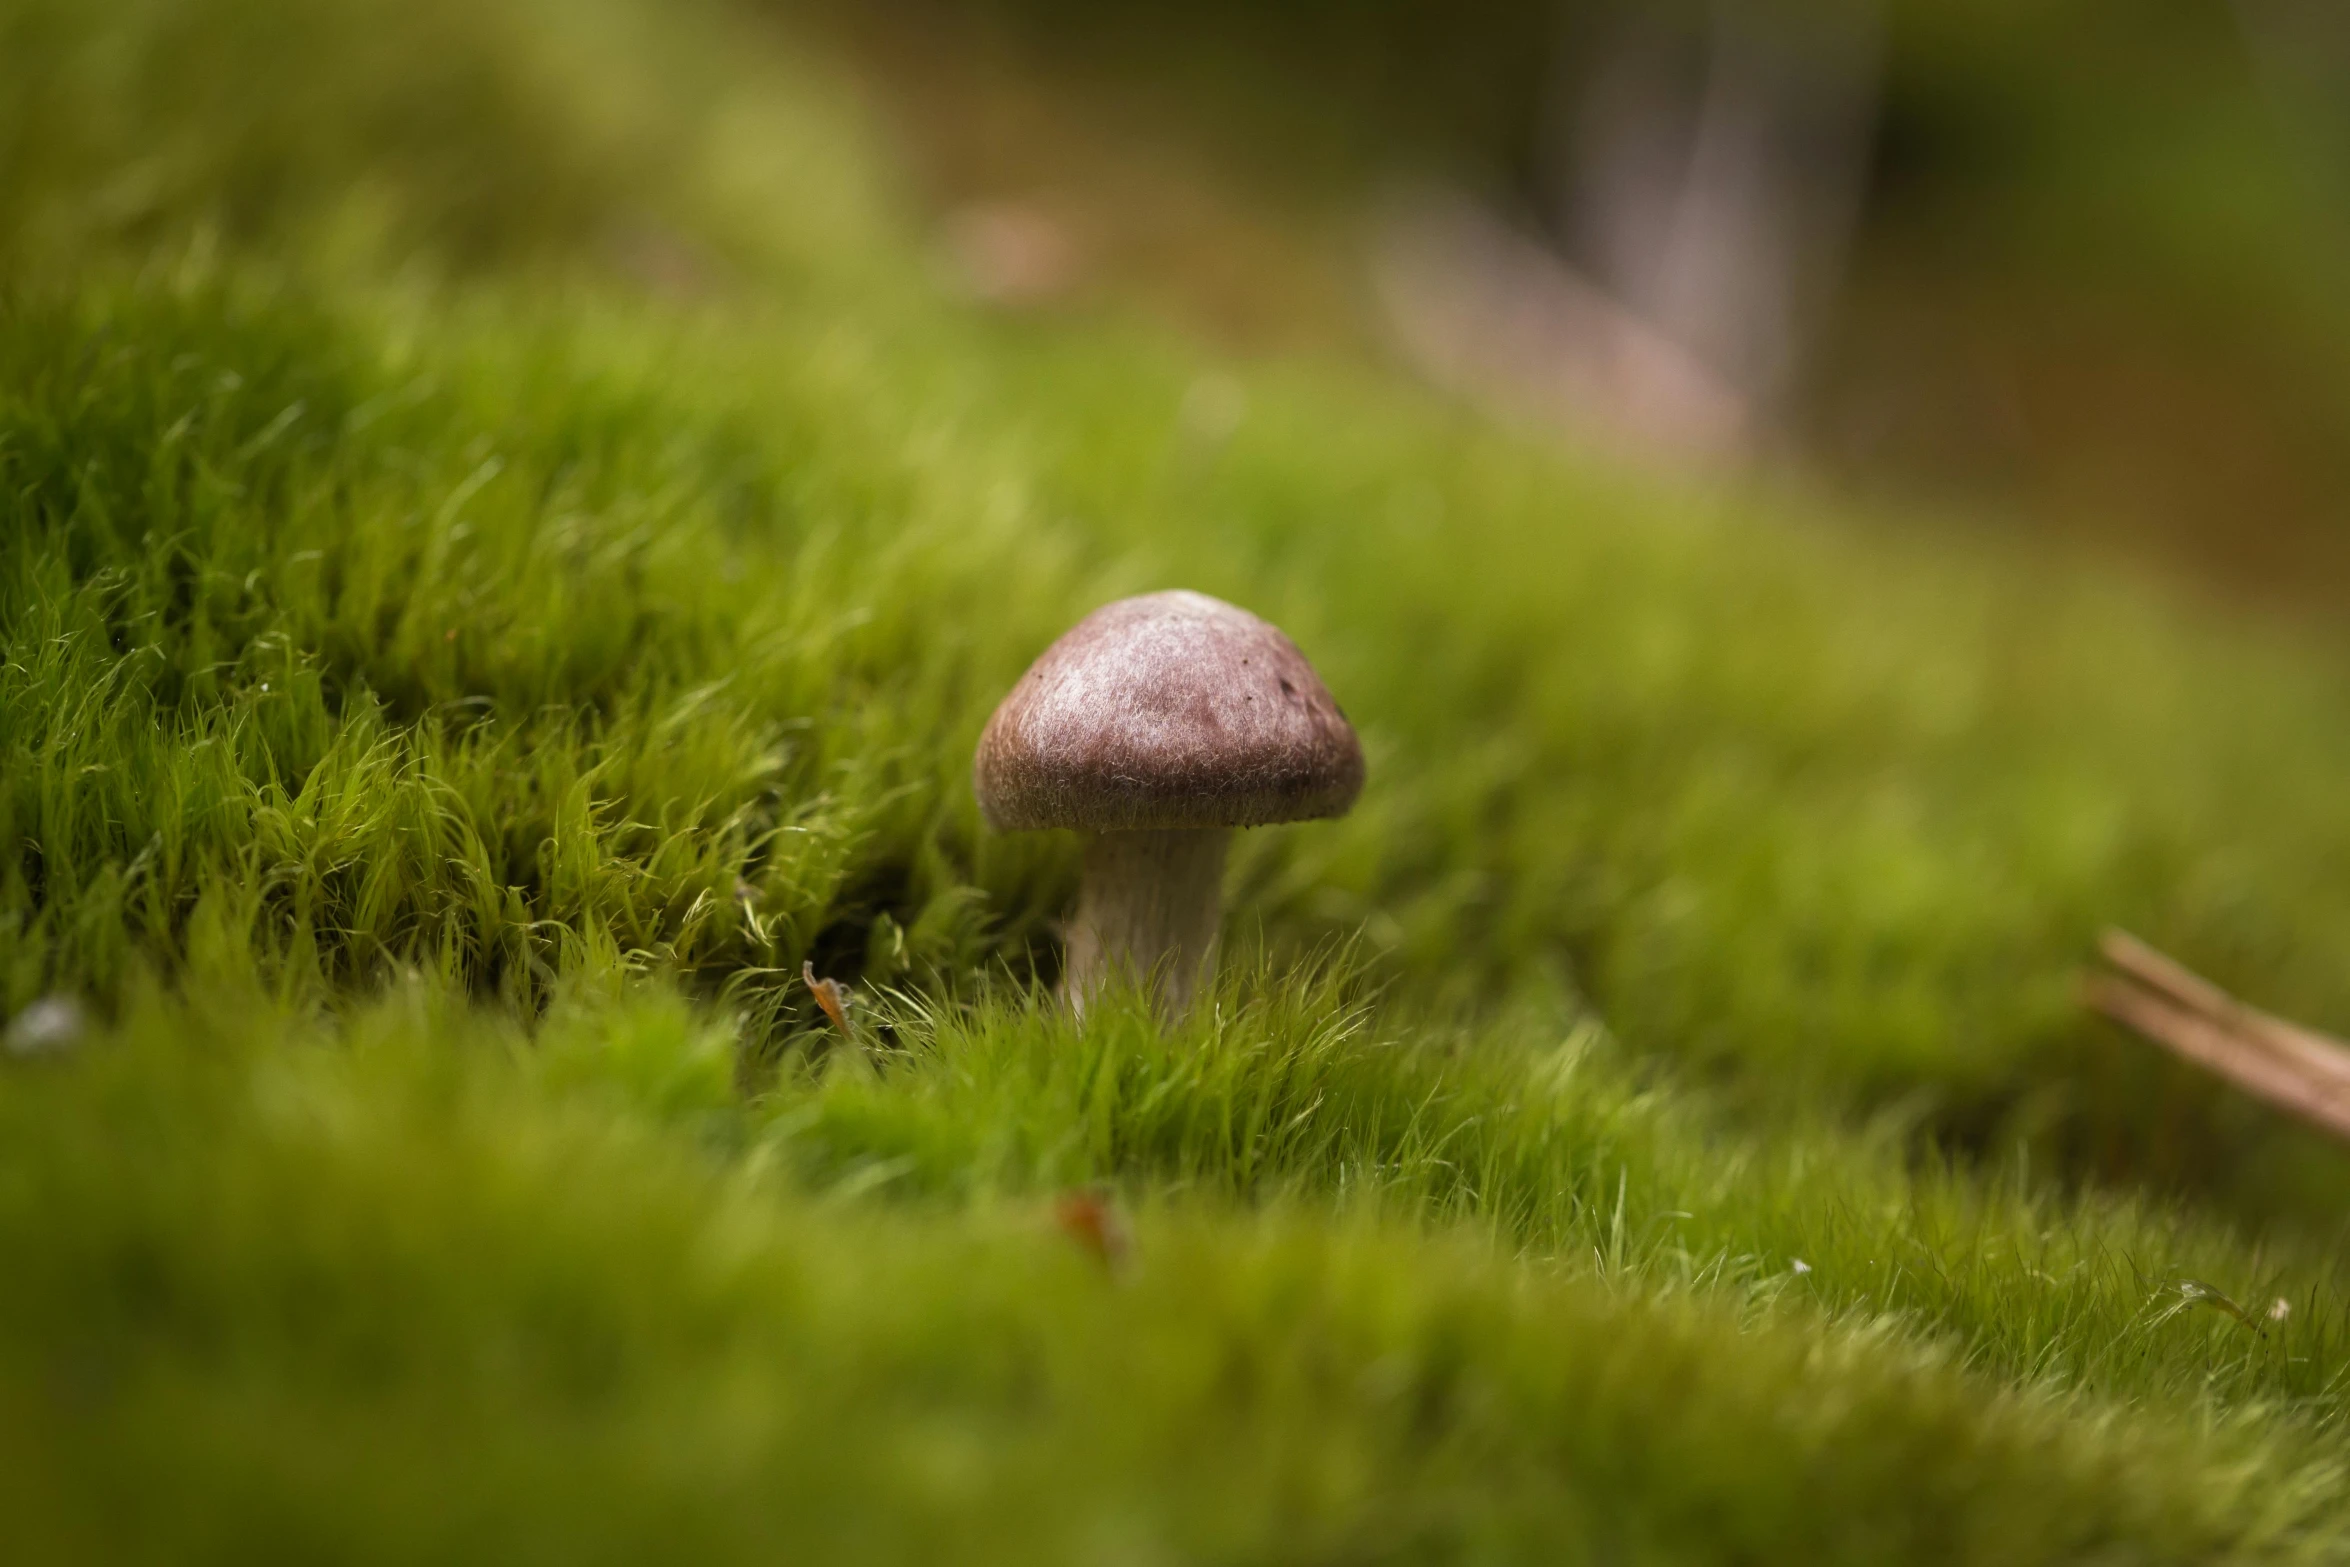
x,y
1147,911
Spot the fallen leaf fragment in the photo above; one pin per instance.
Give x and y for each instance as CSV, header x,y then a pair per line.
x,y
831,995
1088,1218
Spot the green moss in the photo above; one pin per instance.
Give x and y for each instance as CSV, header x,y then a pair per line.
x,y
443,1289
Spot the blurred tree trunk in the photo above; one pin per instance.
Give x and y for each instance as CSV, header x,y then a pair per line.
x,y
1706,165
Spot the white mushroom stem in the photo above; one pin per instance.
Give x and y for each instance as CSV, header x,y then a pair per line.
x,y
1147,913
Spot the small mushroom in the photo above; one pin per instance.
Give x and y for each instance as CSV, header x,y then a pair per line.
x,y
1158,724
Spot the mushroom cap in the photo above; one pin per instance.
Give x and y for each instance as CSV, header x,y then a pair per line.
x,y
1165,711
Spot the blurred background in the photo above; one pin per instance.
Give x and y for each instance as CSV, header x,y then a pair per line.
x,y
2076,263
2082,265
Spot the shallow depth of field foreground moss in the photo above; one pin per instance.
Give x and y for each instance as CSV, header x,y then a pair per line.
x,y
504,551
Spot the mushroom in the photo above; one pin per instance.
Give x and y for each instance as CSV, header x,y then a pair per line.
x,y
1158,724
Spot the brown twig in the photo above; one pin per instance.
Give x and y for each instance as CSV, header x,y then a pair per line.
x,y
2296,1069
2321,1055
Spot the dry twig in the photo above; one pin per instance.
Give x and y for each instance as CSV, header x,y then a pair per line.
x,y
2296,1069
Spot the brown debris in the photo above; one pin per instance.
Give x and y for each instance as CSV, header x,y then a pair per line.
x,y
1087,1217
2297,1070
831,995
1017,254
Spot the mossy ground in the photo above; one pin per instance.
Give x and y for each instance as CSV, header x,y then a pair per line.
x,y
506,551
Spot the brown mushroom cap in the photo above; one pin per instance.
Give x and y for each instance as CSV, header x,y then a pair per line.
x,y
1165,711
